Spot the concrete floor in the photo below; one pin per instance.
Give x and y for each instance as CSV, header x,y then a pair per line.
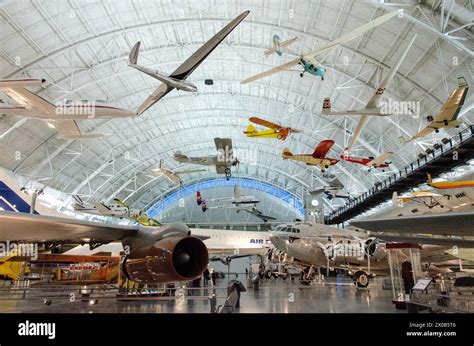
x,y
273,296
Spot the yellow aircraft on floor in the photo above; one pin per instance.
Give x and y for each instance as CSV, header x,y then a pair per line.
x,y
443,185
274,131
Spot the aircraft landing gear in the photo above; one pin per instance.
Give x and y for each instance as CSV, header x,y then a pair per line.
x,y
361,279
322,78
307,275
301,74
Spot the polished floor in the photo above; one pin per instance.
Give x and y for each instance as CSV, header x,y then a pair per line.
x,y
273,296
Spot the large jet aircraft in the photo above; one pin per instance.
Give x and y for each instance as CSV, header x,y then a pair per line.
x,y
167,253
177,79
223,161
372,108
61,117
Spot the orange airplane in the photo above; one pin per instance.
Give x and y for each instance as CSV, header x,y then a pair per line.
x,y
274,131
443,185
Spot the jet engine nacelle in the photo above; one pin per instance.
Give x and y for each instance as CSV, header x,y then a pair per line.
x,y
172,258
375,249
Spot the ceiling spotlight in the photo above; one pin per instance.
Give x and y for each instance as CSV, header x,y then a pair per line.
x,y
314,203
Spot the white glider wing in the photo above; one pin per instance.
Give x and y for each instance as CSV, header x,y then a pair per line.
x,y
271,71
352,35
441,223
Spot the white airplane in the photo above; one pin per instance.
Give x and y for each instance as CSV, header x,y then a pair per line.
x,y
448,115
308,61
177,79
278,45
119,209
223,161
372,107
173,177
61,116
237,200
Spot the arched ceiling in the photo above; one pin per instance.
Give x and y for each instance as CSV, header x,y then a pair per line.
x,y
81,49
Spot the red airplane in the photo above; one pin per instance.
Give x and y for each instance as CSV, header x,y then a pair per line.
x,y
371,162
317,158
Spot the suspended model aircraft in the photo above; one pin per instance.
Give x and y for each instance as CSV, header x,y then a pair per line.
x,y
444,185
223,161
448,115
372,107
274,131
371,162
119,209
61,117
229,202
308,61
177,79
278,45
317,158
173,177
254,211
334,190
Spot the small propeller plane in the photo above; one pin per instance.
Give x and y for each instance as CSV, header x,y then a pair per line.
x,y
308,61
174,177
119,209
445,185
448,115
371,162
278,45
223,161
317,158
274,131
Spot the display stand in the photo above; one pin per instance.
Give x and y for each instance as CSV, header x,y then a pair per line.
x,y
405,270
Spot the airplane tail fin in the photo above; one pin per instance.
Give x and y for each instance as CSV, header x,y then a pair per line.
x,y
286,152
250,130
462,82
326,106
429,179
199,199
133,56
395,198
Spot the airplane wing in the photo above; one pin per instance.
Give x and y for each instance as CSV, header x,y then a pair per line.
x,y
350,36
283,44
187,67
188,171
25,98
380,159
158,94
427,240
448,223
423,133
259,214
265,123
271,71
102,208
377,96
322,149
38,228
69,129
223,144
355,135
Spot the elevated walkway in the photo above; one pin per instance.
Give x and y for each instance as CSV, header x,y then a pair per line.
x,y
442,157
